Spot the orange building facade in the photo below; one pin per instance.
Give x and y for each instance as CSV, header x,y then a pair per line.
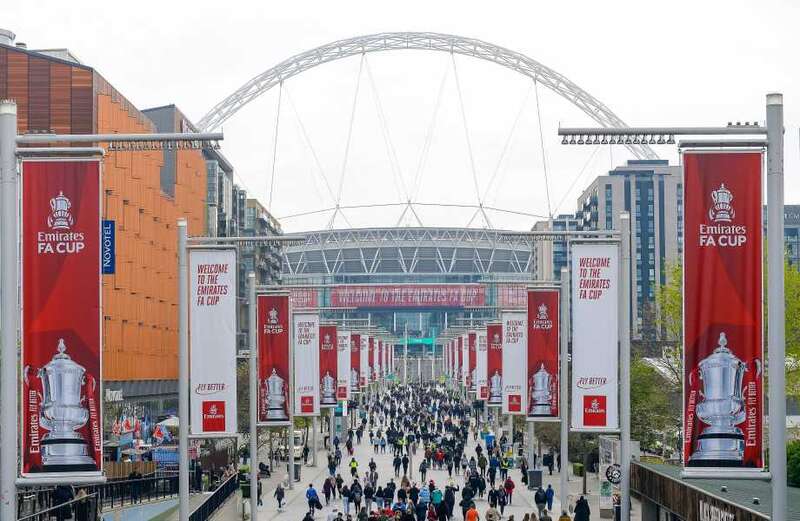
x,y
54,94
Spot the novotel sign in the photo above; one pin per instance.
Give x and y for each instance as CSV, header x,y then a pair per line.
x,y
108,250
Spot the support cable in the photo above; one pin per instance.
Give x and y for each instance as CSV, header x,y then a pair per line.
x,y
423,157
347,142
466,135
577,178
275,146
391,153
541,142
507,145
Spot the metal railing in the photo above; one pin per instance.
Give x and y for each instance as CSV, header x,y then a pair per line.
x,y
115,494
215,500
84,508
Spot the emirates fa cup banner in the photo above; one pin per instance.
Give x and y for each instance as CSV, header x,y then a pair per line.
x,y
355,363
345,376
371,347
364,363
595,334
481,370
61,418
212,330
377,359
274,396
494,364
460,366
305,339
472,361
515,353
328,365
543,350
722,306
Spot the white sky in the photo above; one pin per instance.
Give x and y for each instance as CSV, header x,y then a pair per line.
x,y
665,63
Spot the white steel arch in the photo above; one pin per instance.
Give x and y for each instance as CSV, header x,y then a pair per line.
x,y
419,41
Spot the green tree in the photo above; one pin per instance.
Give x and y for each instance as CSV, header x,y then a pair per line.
x,y
655,414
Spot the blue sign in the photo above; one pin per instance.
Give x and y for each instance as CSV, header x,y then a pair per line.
x,y
108,257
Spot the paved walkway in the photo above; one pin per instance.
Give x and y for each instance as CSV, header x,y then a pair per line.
x,y
295,505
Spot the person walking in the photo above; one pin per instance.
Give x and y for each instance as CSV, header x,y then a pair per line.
x,y
405,462
540,498
312,497
279,495
369,494
509,488
564,516
550,493
327,489
582,511
345,493
545,516
423,469
502,500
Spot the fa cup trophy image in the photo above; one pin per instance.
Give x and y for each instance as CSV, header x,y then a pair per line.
x,y
62,413
721,444
540,392
353,380
276,397
328,390
496,388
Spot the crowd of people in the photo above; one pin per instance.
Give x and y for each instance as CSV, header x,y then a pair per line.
x,y
428,427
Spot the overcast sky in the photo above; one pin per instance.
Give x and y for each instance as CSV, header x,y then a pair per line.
x,y
652,63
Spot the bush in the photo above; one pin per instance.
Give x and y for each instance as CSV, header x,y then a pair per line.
x,y
577,469
793,463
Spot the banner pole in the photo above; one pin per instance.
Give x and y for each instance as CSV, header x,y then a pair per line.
x,y
252,323
564,389
776,304
183,374
290,433
9,281
625,364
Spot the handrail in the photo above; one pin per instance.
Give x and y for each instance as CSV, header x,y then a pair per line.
x,y
70,503
204,511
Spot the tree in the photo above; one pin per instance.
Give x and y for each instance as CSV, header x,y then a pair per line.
x,y
655,414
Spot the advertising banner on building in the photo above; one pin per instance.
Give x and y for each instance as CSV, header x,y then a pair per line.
x,y
494,363
595,335
344,369
378,359
61,416
481,368
366,368
409,295
515,354
543,353
461,374
305,341
355,363
328,365
212,333
472,361
274,391
371,347
723,349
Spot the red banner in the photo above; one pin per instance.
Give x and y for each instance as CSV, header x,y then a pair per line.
x,y
273,358
543,350
494,363
355,362
472,362
409,296
61,342
723,360
301,298
328,365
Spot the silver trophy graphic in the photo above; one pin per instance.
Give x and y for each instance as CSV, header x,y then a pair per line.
x,y
353,380
721,444
496,388
328,391
62,413
473,381
276,397
540,392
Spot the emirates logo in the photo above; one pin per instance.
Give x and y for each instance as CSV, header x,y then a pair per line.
x,y
722,210
273,325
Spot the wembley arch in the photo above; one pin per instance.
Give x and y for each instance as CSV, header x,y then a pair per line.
x,y
423,41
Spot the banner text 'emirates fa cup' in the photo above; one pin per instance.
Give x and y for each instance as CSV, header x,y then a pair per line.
x,y
212,329
595,334
543,350
305,350
61,419
274,397
515,366
722,306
